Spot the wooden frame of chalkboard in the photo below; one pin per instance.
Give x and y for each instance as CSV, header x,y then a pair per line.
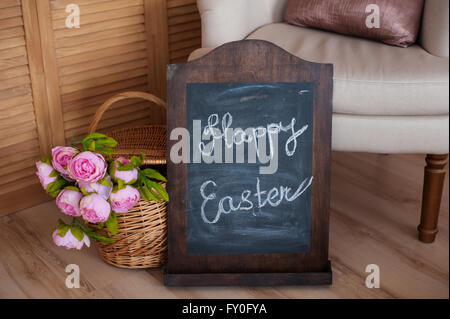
x,y
250,61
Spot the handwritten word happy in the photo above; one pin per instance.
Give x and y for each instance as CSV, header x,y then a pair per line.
x,y
217,131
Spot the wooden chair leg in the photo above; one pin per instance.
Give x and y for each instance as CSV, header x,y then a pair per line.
x,y
433,185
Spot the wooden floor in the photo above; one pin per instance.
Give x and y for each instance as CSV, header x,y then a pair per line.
x,y
374,213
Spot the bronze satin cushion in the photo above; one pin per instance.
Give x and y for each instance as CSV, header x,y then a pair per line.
x,y
399,20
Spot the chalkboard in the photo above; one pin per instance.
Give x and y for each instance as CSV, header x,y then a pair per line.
x,y
243,218
251,85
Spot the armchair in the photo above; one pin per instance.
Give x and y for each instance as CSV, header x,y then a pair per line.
x,y
385,100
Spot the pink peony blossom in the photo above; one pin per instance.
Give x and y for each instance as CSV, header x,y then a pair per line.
x,y
94,208
87,167
43,172
129,177
123,200
69,240
97,188
61,156
68,202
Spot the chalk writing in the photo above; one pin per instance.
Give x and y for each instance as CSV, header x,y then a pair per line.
x,y
273,197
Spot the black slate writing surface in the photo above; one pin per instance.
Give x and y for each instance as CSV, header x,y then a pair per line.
x,y
283,227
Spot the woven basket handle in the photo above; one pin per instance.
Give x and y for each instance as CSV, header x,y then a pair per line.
x,y
122,96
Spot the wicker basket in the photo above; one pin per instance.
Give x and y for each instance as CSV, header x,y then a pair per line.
x,y
150,139
141,241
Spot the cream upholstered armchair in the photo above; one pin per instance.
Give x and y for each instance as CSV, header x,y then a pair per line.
x,y
385,100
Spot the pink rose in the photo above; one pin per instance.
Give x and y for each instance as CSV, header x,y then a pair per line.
x,y
61,156
69,240
43,172
94,208
129,177
97,188
123,200
68,202
87,167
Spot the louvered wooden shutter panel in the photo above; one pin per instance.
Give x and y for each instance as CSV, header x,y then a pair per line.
x,y
19,143
108,54
53,78
184,28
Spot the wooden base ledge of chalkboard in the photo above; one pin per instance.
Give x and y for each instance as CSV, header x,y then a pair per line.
x,y
250,279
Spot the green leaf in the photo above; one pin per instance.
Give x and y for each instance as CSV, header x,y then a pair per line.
x,y
84,191
112,224
54,173
136,161
99,142
91,146
90,233
159,188
77,233
151,173
120,184
106,151
108,142
62,230
153,192
94,135
154,196
147,195
56,186
85,145
127,167
46,159
143,195
104,182
72,188
142,156
112,170
100,238
100,225
60,224
55,193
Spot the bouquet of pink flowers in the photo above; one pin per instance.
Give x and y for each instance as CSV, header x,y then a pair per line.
x,y
89,187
